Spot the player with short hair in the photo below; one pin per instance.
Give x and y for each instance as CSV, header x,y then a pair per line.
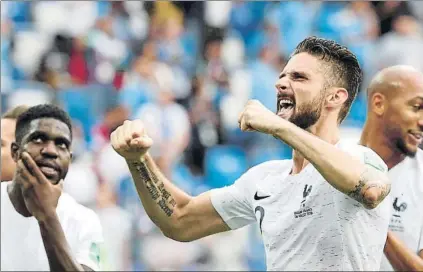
x,y
41,227
394,129
8,123
322,210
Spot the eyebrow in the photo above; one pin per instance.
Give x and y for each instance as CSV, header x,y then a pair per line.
x,y
296,73
45,135
417,98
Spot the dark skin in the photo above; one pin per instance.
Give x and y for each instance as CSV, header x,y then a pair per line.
x,y
395,112
43,157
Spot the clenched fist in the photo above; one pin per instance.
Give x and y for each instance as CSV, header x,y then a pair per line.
x,y
256,117
131,141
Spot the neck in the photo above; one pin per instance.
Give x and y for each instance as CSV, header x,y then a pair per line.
x,y
327,130
372,138
16,197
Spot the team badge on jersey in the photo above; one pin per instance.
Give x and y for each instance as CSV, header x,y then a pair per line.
x,y
396,221
304,209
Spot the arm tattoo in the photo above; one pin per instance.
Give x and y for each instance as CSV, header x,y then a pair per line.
x,y
370,178
155,188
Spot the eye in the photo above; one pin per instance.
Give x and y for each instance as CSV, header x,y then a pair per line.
x,y
62,145
417,107
37,140
298,76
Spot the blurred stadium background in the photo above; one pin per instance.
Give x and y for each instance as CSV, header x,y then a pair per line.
x,y
186,69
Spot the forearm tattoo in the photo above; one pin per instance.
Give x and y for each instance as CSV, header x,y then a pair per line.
x,y
370,178
155,188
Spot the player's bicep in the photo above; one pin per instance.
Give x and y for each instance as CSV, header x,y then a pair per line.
x,y
215,211
198,219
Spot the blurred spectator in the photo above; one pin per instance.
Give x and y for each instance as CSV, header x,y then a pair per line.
x,y
389,11
204,123
187,69
168,125
403,45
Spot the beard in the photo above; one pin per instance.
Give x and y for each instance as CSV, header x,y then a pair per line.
x,y
309,113
398,141
400,144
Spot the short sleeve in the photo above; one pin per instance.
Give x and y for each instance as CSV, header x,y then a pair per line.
x,y
367,156
90,242
234,203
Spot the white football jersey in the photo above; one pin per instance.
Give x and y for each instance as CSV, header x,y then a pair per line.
x,y
407,204
306,223
22,247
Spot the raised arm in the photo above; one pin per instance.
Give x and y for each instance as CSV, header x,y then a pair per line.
x,y
178,215
366,182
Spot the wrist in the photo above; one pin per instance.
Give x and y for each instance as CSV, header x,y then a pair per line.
x,y
47,217
280,128
135,160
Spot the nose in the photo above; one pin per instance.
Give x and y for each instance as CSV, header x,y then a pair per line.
x,y
281,84
49,150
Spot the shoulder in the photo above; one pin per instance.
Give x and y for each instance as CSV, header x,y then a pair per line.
x,y
79,214
259,172
419,157
365,154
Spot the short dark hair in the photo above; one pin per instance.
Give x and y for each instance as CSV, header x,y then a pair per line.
x,y
15,112
38,112
344,66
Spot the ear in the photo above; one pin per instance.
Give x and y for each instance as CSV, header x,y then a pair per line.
x,y
14,149
337,98
377,103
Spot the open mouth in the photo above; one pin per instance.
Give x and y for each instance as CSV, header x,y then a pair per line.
x,y
286,106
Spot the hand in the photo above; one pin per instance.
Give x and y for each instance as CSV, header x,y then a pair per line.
x,y
131,141
40,195
256,117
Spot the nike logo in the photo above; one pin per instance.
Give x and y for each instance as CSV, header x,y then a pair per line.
x,y
256,197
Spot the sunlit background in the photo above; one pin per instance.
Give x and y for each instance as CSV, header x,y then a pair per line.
x,y
186,69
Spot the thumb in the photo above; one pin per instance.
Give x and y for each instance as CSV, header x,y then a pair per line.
x,y
141,142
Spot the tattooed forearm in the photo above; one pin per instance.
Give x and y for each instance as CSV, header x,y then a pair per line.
x,y
155,188
372,188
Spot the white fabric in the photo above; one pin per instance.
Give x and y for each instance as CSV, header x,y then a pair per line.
x,y
407,204
22,247
325,230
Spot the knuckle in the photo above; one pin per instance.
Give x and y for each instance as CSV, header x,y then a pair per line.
x,y
128,138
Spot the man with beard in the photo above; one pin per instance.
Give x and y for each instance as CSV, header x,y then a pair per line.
x,y
43,229
8,124
322,210
394,129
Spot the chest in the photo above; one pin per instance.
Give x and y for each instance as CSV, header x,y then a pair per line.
x,y
22,247
298,203
407,204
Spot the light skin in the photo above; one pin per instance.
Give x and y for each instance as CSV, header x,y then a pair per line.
x,y
42,160
395,118
7,137
185,218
